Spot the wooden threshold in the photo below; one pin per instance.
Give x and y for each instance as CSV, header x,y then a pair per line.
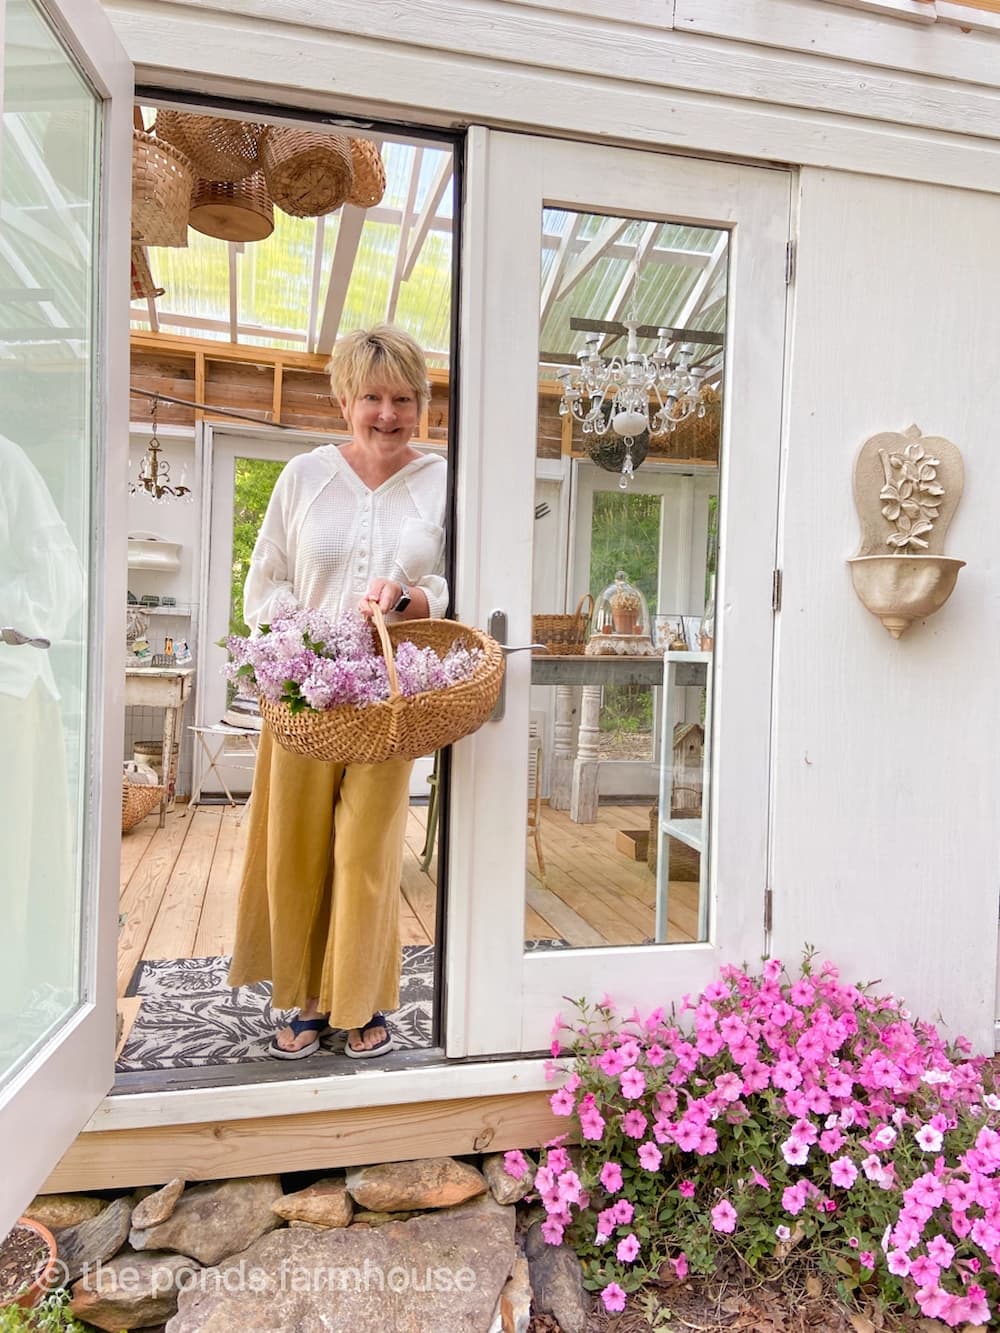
x,y
307,1141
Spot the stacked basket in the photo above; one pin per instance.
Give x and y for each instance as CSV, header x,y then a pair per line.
x,y
223,177
137,802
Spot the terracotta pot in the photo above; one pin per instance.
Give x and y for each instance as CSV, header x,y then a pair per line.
x,y
45,1274
625,621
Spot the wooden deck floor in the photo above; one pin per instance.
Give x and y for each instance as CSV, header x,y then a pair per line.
x,y
179,886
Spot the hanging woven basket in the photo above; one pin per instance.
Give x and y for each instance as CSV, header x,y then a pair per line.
x,y
308,174
161,192
233,210
369,174
402,726
217,148
608,451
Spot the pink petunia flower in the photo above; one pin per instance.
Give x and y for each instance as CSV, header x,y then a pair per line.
x,y
628,1248
611,1177
562,1102
843,1172
650,1157
515,1164
686,1189
680,1266
724,1217
613,1298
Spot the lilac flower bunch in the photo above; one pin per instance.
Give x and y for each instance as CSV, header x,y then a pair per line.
x,y
310,660
781,1119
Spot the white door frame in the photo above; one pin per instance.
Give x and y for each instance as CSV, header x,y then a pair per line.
x,y
47,1103
499,998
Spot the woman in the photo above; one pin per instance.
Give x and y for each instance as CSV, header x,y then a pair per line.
x,y
346,527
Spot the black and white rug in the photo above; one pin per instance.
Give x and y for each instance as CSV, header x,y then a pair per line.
x,y
190,1017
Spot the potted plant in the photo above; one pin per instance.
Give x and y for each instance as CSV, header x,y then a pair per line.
x,y
27,1264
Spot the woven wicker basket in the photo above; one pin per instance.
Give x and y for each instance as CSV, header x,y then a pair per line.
x,y
401,727
695,437
369,174
564,634
161,192
308,174
218,149
233,210
137,803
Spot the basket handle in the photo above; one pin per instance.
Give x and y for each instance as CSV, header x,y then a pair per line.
x,y
588,600
378,620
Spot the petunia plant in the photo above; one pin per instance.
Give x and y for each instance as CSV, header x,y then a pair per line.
x,y
784,1120
310,660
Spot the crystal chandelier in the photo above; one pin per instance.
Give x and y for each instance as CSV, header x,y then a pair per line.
x,y
153,479
633,393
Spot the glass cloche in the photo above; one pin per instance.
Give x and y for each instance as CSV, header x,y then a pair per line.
x,y
621,619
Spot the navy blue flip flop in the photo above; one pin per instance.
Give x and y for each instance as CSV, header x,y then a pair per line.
x,y
369,1053
318,1026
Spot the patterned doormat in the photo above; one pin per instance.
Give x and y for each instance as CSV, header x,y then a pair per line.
x,y
190,1017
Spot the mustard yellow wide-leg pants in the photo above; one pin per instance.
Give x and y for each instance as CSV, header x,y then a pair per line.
x,y
319,898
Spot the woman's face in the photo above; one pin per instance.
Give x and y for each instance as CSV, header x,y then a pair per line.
x,y
383,416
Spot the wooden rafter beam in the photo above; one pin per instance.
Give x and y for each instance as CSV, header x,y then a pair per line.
x,y
595,249
405,222
317,265
352,221
427,214
175,321
558,269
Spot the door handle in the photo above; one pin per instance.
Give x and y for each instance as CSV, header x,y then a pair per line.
x,y
15,638
496,627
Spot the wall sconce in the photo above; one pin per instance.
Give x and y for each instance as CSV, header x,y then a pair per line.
x,y
153,478
906,488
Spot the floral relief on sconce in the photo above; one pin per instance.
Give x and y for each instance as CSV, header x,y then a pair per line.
x,y
906,488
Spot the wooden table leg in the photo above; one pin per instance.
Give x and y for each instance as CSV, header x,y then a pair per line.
x,y
166,760
564,748
583,802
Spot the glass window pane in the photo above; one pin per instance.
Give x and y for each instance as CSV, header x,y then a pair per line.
x,y
620,726
49,172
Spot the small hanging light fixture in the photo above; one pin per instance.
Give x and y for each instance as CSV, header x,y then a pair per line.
x,y
153,479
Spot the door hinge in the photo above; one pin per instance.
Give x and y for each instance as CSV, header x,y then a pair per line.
x,y
789,263
768,909
776,590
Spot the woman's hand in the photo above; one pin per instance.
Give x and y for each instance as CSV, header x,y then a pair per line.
x,y
384,593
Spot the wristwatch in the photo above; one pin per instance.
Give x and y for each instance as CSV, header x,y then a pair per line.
x,y
404,598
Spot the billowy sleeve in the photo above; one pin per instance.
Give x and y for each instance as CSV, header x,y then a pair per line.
x,y
268,585
43,583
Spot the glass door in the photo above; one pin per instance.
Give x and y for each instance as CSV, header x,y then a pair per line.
x,y
242,467
64,177
599,270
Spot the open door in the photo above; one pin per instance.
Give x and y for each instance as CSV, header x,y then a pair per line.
x,y
563,241
65,154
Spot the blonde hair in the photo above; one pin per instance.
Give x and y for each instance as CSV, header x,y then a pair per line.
x,y
384,354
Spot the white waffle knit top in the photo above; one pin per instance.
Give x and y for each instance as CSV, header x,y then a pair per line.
x,y
325,536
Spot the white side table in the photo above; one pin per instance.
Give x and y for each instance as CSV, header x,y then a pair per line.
x,y
166,688
212,740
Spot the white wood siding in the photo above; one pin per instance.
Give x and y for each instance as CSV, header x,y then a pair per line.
x,y
730,91
885,770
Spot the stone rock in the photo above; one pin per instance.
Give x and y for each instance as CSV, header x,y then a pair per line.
x,y
556,1282
93,1241
215,1220
513,1314
504,1188
364,1217
431,1182
326,1203
158,1206
132,1291
64,1210
438,1273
